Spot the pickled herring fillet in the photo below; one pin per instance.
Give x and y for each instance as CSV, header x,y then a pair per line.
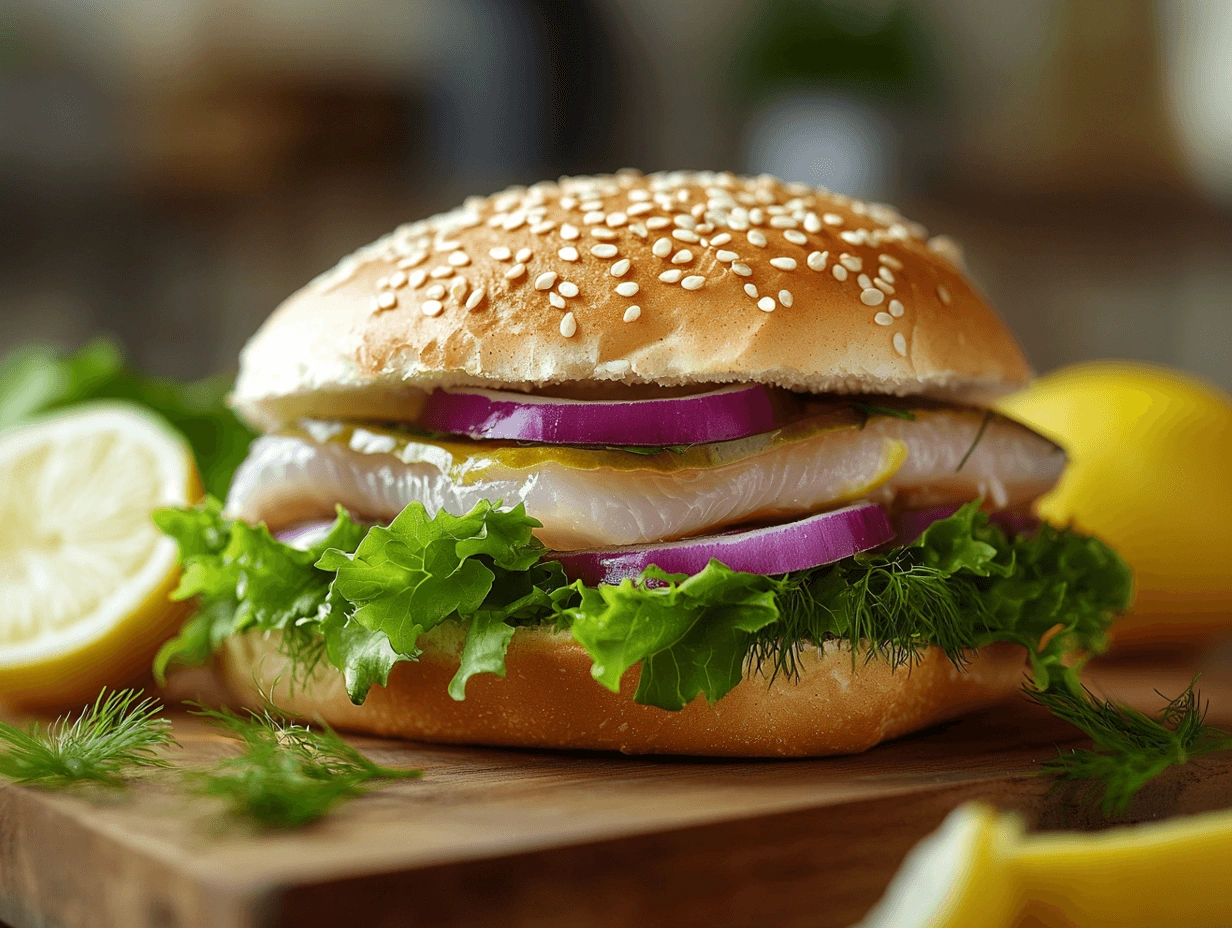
x,y
589,498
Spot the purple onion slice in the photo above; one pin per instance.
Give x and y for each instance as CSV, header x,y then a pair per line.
x,y
777,549
720,415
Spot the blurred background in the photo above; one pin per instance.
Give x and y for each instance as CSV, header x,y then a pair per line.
x,y
169,171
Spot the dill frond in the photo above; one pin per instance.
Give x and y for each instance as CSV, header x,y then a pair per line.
x,y
287,774
1128,747
119,732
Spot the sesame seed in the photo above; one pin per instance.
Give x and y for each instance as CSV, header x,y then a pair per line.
x,y
896,308
432,308
629,288
459,259
851,262
757,238
475,298
852,237
683,256
593,218
812,223
839,272
900,344
883,286
639,195
620,268
756,216
458,287
602,233
516,271
943,294
515,221
604,251
783,222
661,248
435,292
567,202
568,232
591,205
417,278
784,264
721,239
446,245
540,227
632,313
568,253
556,300
727,256
751,290
890,261
785,297
397,279
693,283
795,237
766,304
545,280
871,297
670,277
441,270
684,221
412,260
639,229
638,208
658,222
832,219
568,288
522,256
500,253
739,223
817,260
386,300
886,274
883,319
742,269
617,219
864,281
568,325
685,235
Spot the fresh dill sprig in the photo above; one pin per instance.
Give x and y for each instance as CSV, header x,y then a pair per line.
x,y
119,732
978,436
1129,748
287,774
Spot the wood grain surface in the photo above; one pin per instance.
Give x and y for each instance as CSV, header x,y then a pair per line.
x,y
559,839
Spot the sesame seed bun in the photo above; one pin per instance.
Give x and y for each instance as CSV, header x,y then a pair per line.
x,y
548,699
671,279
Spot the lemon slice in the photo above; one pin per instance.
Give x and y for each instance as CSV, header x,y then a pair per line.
x,y
980,870
84,573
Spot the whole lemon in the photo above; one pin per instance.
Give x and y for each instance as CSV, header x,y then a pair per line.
x,y
1150,472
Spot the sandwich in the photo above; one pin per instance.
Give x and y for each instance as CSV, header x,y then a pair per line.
x,y
687,463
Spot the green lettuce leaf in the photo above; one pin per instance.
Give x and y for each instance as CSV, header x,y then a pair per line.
x,y
37,379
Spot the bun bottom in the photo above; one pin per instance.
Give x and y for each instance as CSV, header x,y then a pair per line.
x,y
548,699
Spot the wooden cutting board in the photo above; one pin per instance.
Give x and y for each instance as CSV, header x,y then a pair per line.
x,y
512,838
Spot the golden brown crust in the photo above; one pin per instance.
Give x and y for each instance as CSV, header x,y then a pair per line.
x,y
548,699
357,342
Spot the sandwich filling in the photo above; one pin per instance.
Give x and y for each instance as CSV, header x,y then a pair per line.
x,y
360,545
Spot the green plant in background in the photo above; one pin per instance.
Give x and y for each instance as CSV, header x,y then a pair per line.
x,y
38,378
873,49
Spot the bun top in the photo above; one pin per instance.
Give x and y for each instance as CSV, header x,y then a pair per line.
x,y
670,279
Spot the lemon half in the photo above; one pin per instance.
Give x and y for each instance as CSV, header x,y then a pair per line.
x,y
84,573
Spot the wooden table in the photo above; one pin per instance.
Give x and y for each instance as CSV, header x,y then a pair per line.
x,y
506,837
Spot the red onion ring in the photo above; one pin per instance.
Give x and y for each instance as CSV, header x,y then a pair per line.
x,y
720,415
304,535
778,549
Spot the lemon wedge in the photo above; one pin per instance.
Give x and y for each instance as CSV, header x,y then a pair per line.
x,y
1149,450
84,573
979,870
